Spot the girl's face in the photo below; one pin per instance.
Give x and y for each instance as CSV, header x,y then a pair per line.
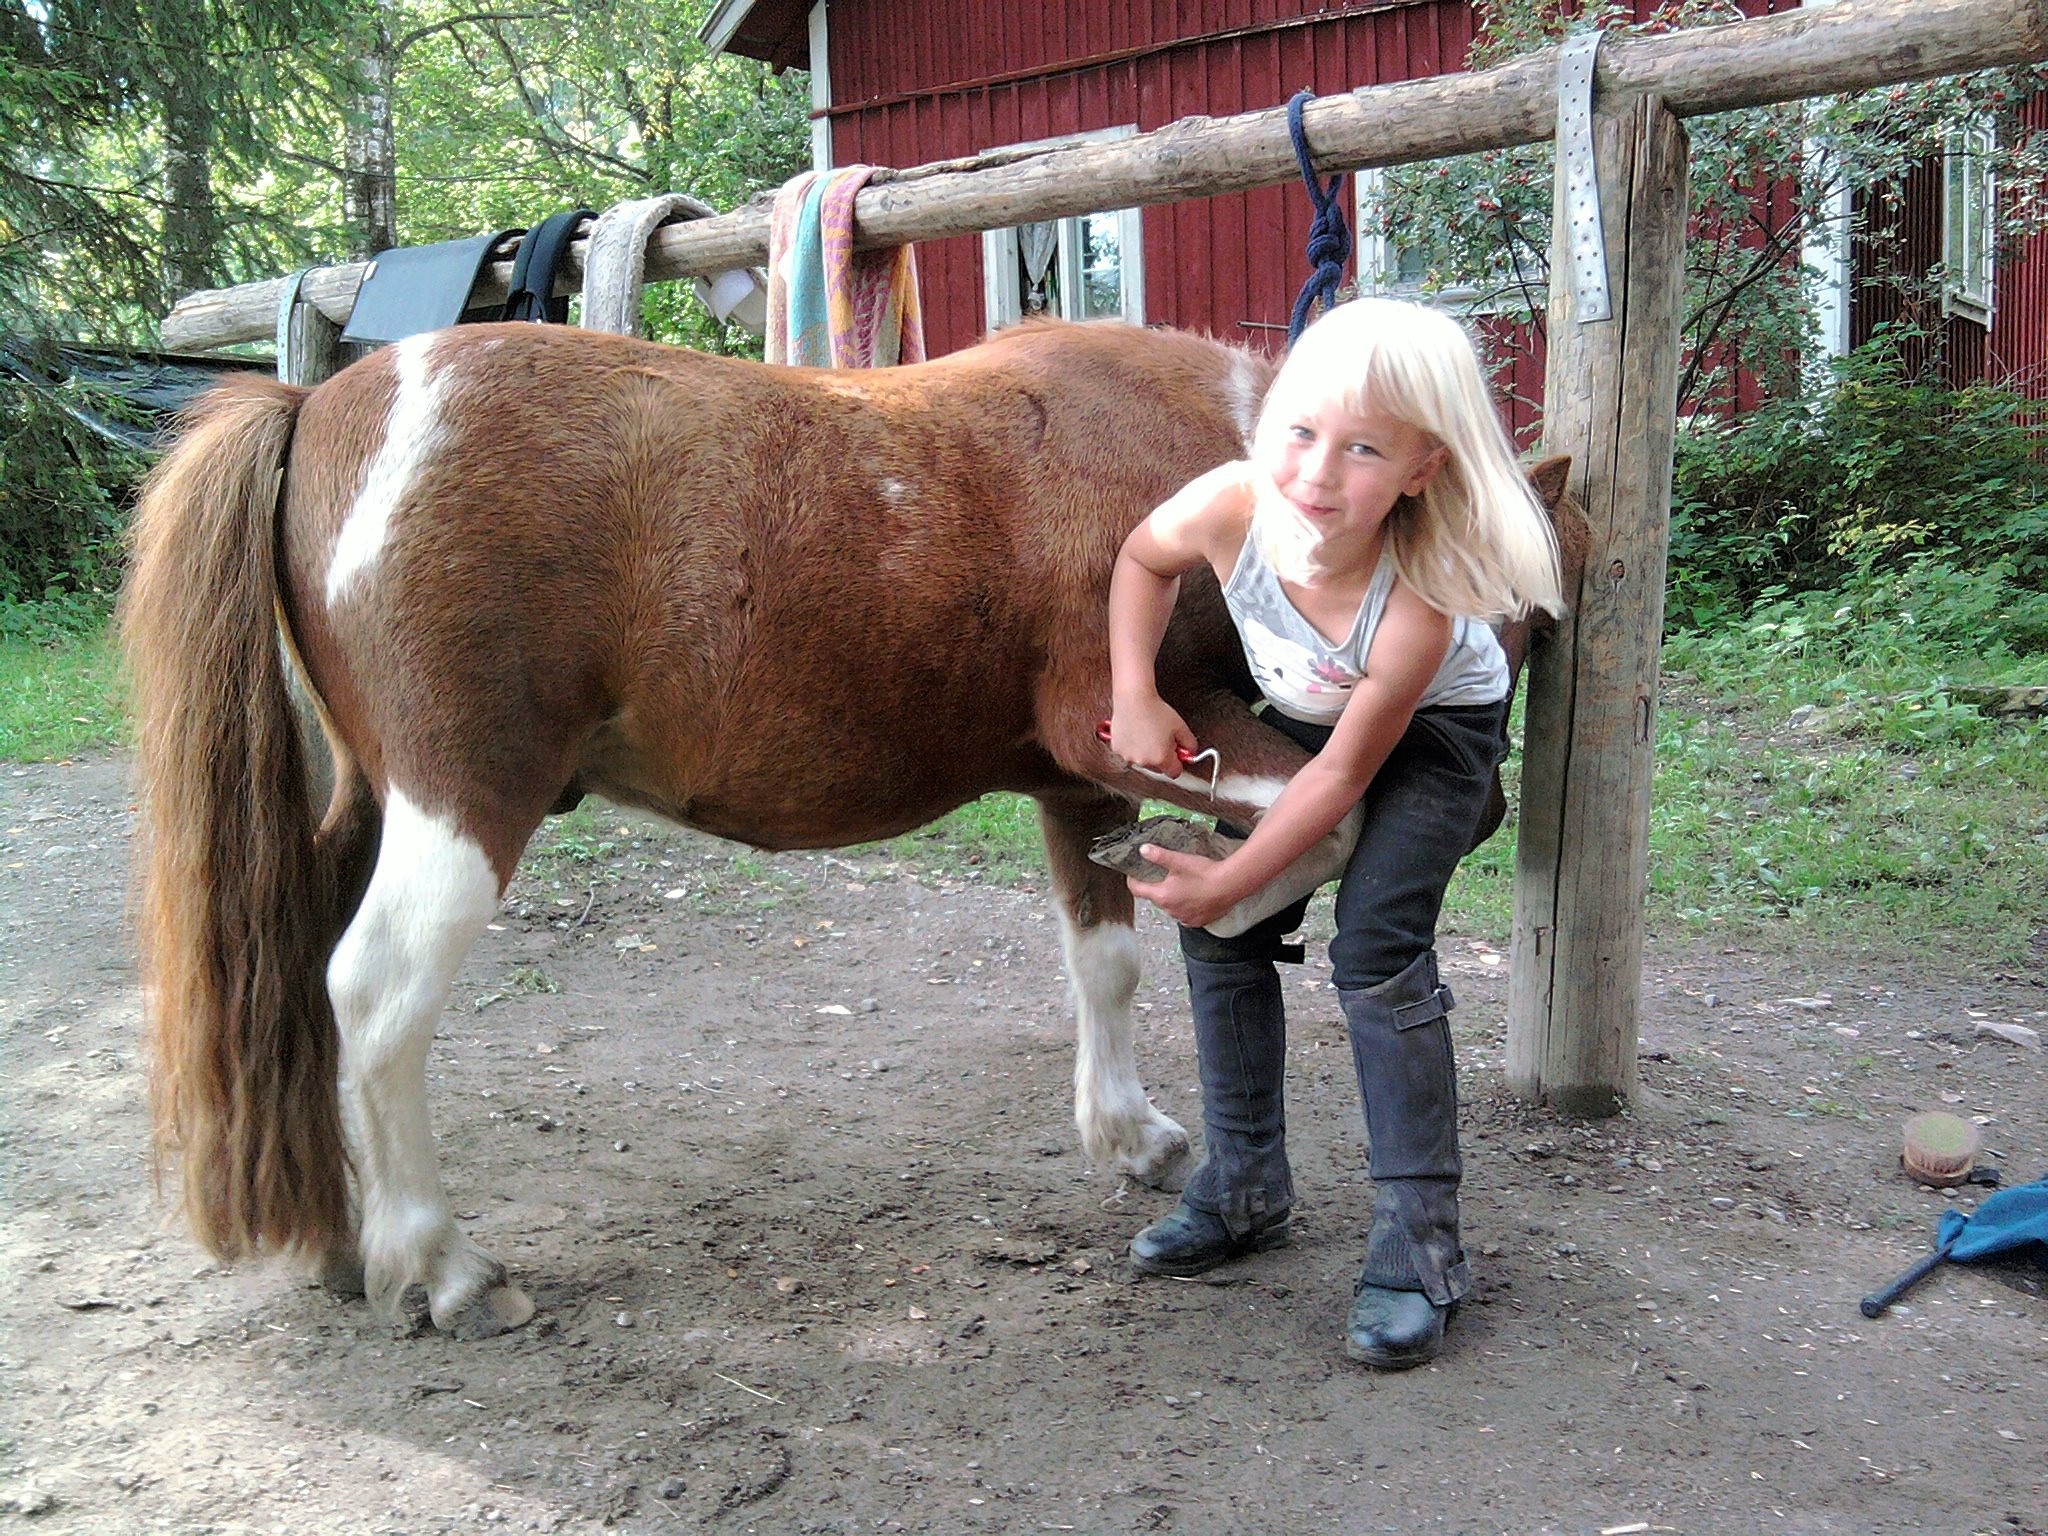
x,y
1342,470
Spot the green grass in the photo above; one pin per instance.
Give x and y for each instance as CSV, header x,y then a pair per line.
x,y
1895,814
59,696
995,836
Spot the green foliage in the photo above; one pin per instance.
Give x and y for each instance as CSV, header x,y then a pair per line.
x,y
1925,505
505,120
149,146
1478,227
1889,813
499,116
63,494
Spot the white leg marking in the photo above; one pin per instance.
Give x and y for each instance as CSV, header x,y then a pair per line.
x,y
1243,789
412,433
1118,1124
431,894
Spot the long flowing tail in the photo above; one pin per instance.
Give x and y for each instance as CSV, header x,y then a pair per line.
x,y
239,904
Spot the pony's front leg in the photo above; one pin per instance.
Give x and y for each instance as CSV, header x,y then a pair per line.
x,y
429,898
1119,1125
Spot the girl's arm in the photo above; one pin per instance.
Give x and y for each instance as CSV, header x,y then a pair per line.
x,y
1407,650
1205,518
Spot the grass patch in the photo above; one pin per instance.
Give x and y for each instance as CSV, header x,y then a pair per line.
x,y
59,696
994,838
1832,782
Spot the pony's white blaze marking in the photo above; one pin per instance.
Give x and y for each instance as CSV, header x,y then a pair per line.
x,y
1117,1123
431,895
413,430
1245,395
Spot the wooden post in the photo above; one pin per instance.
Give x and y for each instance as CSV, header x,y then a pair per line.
x,y
312,348
1610,394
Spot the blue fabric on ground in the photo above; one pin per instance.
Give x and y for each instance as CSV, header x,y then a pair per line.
x,y
2011,1224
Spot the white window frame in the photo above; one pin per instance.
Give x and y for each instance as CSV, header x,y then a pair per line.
x,y
1002,292
1969,208
821,91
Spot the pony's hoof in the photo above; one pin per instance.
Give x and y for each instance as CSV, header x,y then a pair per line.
x,y
498,1310
340,1275
1166,1164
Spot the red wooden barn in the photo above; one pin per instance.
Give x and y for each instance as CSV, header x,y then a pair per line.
x,y
903,84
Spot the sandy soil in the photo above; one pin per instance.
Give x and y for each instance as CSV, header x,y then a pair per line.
x,y
782,1148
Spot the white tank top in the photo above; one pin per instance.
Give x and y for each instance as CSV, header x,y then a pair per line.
x,y
1310,678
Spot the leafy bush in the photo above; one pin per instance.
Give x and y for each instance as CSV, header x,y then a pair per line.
x,y
64,493
1884,486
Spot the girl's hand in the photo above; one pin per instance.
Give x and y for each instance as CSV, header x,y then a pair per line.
x,y
1195,891
1150,735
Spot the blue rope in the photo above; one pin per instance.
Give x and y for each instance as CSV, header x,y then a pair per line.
x,y
1329,237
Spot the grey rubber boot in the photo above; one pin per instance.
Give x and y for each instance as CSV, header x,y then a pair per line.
x,y
1238,1201
1414,1268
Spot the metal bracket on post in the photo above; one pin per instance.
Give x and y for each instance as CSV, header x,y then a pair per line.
x,y
286,303
1576,182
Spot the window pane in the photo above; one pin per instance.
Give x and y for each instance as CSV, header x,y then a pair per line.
x,y
1102,267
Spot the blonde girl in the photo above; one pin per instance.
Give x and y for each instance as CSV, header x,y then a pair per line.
x,y
1378,526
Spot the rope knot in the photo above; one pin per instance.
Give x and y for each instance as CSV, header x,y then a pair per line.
x,y
1329,236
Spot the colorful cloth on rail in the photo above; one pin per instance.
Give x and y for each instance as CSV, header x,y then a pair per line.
x,y
828,305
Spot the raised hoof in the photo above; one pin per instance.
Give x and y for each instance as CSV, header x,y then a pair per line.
x,y
1393,1330
498,1310
1118,850
1186,1242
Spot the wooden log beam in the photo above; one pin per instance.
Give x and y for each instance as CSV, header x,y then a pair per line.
x,y
1794,54
1582,855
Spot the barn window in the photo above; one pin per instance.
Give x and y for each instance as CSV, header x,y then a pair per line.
x,y
1091,267
1969,201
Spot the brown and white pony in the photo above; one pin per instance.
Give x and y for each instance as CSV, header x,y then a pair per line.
x,y
517,564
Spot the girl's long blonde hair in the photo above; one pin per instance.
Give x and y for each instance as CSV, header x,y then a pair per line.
x,y
1476,542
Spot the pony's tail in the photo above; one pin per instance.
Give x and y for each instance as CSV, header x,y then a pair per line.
x,y
239,906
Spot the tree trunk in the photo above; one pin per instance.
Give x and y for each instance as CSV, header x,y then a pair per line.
x,y
369,191
191,223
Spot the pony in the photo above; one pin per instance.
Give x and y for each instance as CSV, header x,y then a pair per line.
x,y
514,565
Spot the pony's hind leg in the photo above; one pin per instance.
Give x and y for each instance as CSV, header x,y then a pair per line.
x,y
429,897
1119,1125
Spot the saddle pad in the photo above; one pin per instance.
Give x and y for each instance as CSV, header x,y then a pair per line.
x,y
414,288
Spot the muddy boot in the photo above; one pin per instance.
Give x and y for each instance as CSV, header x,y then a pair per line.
x,y
1414,1269
1237,1202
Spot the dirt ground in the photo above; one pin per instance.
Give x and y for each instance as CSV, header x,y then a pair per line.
x,y
782,1148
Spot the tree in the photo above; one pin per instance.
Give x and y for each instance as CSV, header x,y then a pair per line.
x,y
1767,188
143,150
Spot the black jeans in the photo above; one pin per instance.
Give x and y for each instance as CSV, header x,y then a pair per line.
x,y
1421,811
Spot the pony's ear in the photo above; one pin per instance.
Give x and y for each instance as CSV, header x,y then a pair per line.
x,y
1548,478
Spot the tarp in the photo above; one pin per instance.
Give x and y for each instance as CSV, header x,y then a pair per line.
x,y
127,397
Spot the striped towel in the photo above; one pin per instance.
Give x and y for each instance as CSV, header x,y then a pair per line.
x,y
829,307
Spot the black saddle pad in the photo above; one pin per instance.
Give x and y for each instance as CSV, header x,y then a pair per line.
x,y
414,288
